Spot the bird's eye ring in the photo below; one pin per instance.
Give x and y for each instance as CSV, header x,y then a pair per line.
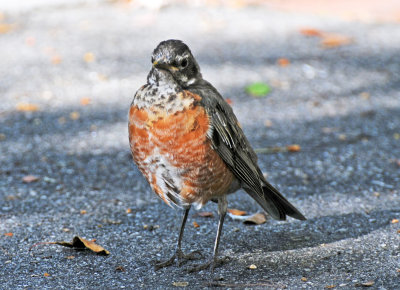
x,y
184,63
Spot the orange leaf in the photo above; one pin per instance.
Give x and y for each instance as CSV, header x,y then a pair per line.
x,y
128,210
79,243
236,211
283,62
74,115
196,225
56,59
83,211
205,214
25,107
9,234
85,101
89,57
5,28
256,219
30,178
293,148
335,40
46,274
311,32
304,279
394,221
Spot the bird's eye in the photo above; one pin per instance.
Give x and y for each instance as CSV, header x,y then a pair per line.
x,y
184,63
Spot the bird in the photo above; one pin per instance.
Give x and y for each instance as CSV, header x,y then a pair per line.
x,y
187,142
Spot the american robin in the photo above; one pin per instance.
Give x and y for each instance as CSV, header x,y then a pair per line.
x,y
187,142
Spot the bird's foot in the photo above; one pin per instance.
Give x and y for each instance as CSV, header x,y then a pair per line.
x,y
181,257
211,263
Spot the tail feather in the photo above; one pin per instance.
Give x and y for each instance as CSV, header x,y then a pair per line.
x,y
275,204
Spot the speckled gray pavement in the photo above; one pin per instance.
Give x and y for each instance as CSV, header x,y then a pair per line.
x,y
341,105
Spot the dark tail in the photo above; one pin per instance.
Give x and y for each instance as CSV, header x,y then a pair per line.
x,y
275,204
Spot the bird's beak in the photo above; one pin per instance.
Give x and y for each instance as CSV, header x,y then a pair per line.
x,y
162,65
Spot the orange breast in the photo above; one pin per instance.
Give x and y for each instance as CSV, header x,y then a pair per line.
x,y
174,148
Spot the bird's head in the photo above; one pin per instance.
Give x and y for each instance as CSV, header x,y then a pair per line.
x,y
175,57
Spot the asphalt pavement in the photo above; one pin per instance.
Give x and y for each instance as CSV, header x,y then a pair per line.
x,y
68,72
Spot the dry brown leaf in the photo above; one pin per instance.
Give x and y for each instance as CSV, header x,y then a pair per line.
x,y
196,225
283,62
256,219
368,284
79,243
70,257
205,214
394,221
74,115
293,148
26,107
83,211
180,284
85,101
311,32
89,57
335,40
128,210
252,267
235,211
304,279
9,234
29,178
330,286
120,269
5,28
46,274
56,59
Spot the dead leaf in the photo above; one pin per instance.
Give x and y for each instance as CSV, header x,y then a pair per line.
x,y
2,137
83,211
268,123
26,107
335,40
46,274
196,225
120,269
78,243
56,59
30,41
394,221
257,219
9,234
205,214
236,211
283,62
74,115
304,279
180,284
70,257
293,148
6,28
128,210
252,267
89,57
311,32
368,284
330,286
85,101
30,178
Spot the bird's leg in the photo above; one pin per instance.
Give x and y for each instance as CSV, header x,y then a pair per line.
x,y
214,261
179,255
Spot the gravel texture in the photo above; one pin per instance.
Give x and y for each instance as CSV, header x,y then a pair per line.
x,y
341,105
